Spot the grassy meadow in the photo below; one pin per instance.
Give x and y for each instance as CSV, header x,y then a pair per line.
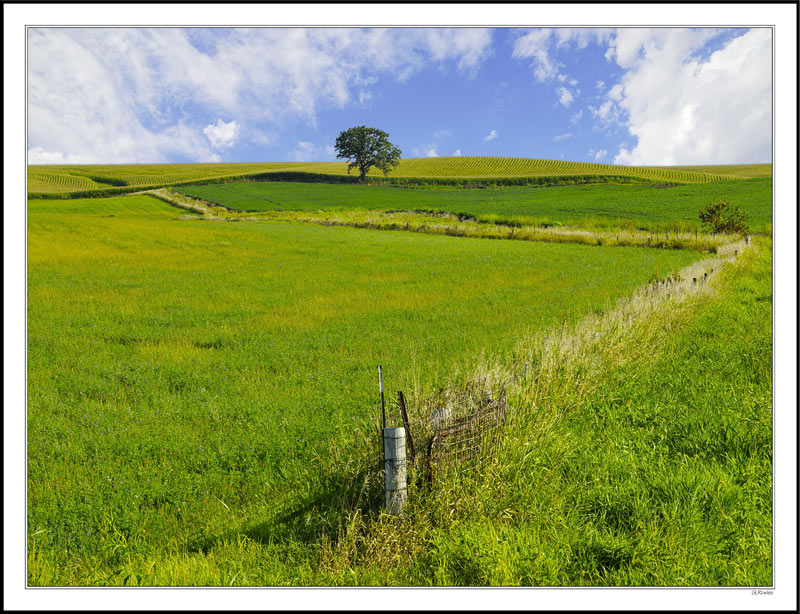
x,y
592,206
203,404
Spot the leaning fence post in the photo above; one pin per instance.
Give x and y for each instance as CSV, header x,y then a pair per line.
x,y
394,451
406,425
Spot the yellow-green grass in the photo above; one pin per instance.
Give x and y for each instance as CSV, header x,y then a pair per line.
x,y
744,171
202,396
70,178
64,179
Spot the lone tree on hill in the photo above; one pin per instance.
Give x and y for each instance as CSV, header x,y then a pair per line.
x,y
366,147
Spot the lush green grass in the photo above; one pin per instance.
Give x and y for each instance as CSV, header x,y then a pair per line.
x,y
642,458
595,206
665,475
65,179
202,395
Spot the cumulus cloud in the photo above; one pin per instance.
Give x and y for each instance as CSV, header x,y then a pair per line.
x,y
562,137
598,155
491,136
534,45
684,109
689,96
540,45
120,95
306,151
37,155
222,135
564,96
431,153
576,117
457,153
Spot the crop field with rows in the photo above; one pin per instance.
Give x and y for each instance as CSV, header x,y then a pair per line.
x,y
63,179
68,178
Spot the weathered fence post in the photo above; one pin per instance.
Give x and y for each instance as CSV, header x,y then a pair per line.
x,y
394,453
406,425
747,240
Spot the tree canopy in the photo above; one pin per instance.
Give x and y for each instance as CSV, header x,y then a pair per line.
x,y
367,147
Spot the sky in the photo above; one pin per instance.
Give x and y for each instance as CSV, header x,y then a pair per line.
x,y
632,96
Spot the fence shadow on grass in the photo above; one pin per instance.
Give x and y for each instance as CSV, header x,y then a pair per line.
x,y
325,510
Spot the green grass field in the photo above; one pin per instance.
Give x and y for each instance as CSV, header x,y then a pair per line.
x,y
54,180
203,404
595,206
191,381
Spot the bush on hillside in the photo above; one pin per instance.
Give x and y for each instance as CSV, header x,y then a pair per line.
x,y
721,217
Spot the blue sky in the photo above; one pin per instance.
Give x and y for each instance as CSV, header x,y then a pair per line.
x,y
644,96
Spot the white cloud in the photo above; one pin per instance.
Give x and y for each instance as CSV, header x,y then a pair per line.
x,y
260,137
598,155
537,44
687,110
491,136
684,105
222,135
431,153
37,155
564,96
562,137
604,111
441,134
82,107
457,153
306,151
576,117
120,94
533,45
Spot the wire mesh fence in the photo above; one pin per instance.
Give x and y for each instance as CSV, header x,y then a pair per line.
x,y
459,427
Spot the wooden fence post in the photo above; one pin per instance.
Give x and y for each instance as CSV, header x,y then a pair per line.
x,y
406,425
394,451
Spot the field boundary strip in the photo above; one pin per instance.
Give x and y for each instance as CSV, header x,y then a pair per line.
x,y
552,349
451,224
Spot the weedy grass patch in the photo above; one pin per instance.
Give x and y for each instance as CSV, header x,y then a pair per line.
x,y
202,396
